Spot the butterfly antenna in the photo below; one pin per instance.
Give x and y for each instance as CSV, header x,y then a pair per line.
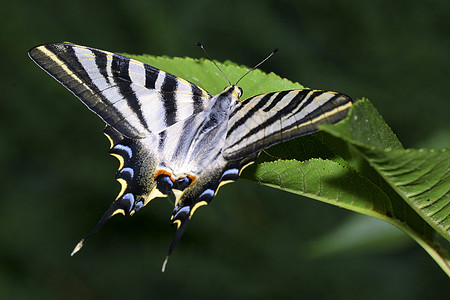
x,y
257,65
209,57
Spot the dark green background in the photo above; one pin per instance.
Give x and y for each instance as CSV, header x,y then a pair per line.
x,y
57,179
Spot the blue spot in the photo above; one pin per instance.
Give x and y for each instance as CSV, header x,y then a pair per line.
x,y
230,172
130,198
208,192
164,184
124,148
166,178
138,206
182,183
185,209
129,171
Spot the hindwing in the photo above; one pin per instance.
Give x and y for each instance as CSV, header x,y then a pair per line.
x,y
137,165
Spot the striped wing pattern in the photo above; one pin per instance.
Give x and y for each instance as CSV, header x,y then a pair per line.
x,y
134,98
170,136
261,121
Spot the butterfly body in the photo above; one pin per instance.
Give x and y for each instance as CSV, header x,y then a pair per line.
x,y
173,137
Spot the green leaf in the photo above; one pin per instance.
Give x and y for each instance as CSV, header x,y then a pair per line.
x,y
324,180
365,127
358,164
203,73
420,177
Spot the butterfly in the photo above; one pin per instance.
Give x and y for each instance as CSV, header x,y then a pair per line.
x,y
172,137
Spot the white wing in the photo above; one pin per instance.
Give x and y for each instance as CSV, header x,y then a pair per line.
x,y
261,121
134,98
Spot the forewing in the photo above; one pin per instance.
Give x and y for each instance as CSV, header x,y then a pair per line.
x,y
261,121
134,98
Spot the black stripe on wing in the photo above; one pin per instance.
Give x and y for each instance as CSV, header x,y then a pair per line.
x,y
61,62
120,68
264,120
168,88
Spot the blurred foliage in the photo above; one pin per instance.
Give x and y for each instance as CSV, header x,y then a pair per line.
x,y
57,179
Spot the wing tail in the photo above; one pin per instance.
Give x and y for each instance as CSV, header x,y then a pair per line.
x,y
122,206
191,200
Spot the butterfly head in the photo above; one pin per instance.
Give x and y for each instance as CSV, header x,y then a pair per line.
x,y
233,90
233,87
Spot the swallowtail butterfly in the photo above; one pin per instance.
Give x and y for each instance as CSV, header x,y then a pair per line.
x,y
174,138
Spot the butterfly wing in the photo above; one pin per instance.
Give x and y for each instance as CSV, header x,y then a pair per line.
x,y
138,102
264,120
132,97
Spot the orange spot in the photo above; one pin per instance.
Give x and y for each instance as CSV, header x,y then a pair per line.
x,y
163,172
192,178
